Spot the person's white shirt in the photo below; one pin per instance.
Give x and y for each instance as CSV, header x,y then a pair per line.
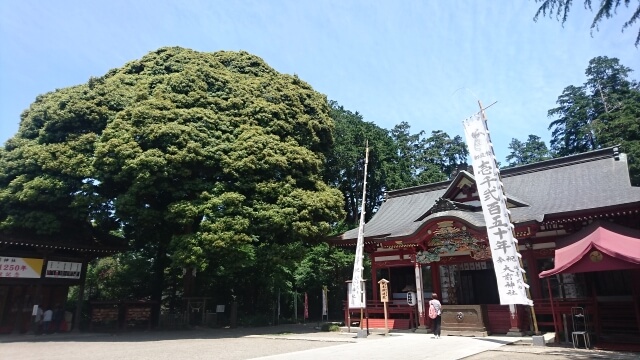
x,y
38,315
48,315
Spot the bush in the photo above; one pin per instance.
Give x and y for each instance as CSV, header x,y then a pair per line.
x,y
330,327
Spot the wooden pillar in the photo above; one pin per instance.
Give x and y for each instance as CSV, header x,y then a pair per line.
x,y
422,319
532,273
374,277
19,303
80,299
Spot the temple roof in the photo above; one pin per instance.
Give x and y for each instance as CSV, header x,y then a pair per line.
x,y
535,192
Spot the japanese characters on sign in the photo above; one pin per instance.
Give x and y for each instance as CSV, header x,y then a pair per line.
x,y
411,298
384,290
63,270
504,246
14,267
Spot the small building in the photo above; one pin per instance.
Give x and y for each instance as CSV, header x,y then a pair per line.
x,y
39,270
433,238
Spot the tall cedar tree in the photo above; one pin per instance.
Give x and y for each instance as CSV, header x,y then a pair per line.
x,y
604,111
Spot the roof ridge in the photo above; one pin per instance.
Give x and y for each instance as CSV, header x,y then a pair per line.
x,y
584,157
418,189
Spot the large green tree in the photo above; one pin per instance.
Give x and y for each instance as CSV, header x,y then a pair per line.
x,y
185,153
345,163
606,10
425,160
530,151
604,111
441,156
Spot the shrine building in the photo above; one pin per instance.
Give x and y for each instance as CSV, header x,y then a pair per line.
x,y
39,270
577,221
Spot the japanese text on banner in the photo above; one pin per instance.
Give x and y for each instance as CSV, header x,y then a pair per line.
x,y
504,251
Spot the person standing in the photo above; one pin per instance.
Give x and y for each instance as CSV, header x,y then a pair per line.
x,y
436,307
38,320
46,320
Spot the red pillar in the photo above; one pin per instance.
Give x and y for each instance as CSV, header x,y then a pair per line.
x,y
516,315
374,277
435,278
532,274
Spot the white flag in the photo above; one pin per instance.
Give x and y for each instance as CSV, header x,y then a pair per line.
x,y
325,306
357,293
504,247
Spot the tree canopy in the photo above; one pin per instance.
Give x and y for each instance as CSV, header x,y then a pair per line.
x,y
182,152
345,162
607,10
531,151
604,111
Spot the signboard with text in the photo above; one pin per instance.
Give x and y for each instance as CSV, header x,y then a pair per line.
x,y
63,270
384,290
15,267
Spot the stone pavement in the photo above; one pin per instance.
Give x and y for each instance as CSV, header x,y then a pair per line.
x,y
283,342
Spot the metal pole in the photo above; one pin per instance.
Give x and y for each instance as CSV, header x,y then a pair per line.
x,y
553,311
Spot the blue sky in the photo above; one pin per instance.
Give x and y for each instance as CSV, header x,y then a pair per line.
x,y
424,62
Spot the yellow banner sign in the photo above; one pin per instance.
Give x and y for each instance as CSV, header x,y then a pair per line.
x,y
14,267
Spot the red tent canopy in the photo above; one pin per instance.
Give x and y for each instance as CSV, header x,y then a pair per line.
x,y
601,246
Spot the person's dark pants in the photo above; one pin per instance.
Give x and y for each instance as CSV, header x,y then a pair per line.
x,y
436,325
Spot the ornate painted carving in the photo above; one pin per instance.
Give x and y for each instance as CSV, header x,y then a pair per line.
x,y
482,253
446,239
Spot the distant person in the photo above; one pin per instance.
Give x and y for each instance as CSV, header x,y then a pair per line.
x,y
37,321
46,320
436,308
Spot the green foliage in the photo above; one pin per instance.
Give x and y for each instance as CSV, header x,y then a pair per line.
x,y
327,265
425,160
333,327
345,162
123,276
608,8
441,156
531,151
189,155
572,132
603,112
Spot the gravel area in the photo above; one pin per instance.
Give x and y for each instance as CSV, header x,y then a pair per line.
x,y
285,342
222,344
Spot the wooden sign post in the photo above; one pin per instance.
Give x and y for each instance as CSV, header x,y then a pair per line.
x,y
384,297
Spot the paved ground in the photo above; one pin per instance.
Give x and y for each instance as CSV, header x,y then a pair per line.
x,y
299,342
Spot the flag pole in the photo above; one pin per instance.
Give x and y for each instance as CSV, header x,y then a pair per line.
x,y
358,295
524,275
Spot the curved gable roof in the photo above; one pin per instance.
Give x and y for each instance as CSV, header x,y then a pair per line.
x,y
597,179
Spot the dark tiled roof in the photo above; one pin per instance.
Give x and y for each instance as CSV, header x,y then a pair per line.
x,y
597,179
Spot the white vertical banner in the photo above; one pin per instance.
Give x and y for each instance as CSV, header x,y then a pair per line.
x,y
357,293
325,305
504,246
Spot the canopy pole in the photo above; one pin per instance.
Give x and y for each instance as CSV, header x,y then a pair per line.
x,y
553,311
